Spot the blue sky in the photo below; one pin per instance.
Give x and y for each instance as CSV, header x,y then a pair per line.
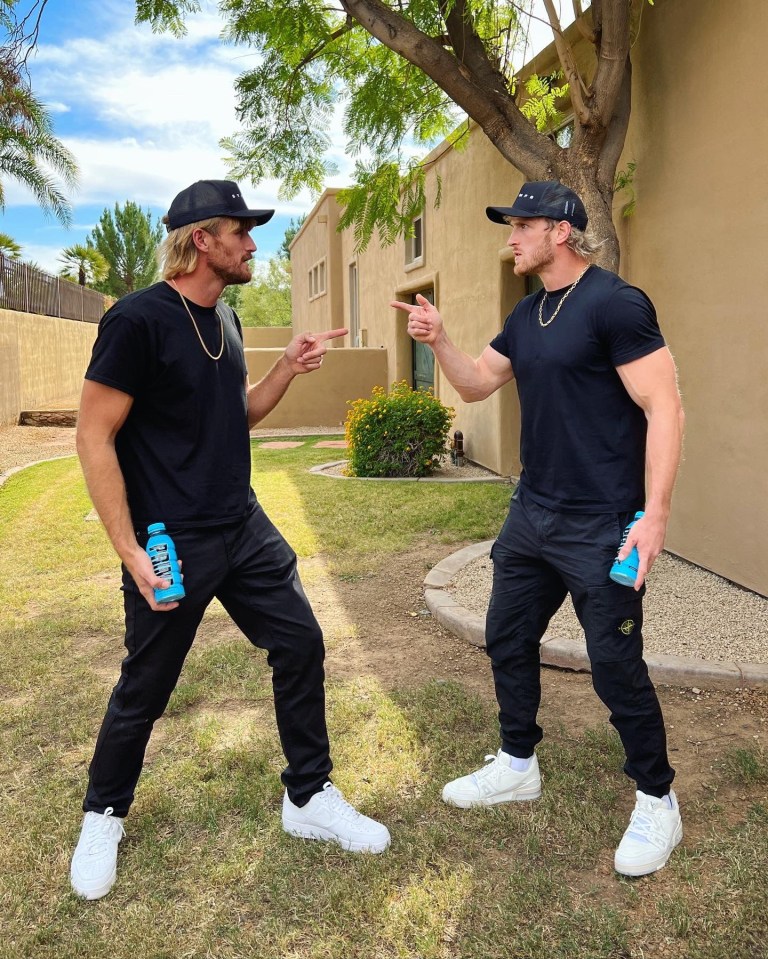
x,y
143,115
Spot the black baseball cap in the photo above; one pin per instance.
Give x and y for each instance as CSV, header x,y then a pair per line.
x,y
548,198
209,198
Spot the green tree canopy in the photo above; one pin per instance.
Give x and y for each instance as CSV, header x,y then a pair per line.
x,y
83,264
128,241
398,71
266,300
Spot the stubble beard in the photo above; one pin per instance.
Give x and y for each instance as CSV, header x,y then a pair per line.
x,y
228,277
539,258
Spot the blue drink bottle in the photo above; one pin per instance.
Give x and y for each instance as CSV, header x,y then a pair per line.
x,y
624,571
162,552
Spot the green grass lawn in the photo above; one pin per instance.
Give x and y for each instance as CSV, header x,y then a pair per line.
x,y
206,871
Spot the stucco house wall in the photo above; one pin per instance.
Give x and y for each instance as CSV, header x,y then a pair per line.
x,y
695,244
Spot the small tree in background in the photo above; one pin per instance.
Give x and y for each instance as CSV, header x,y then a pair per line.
x,y
266,300
400,433
83,264
9,247
128,241
284,250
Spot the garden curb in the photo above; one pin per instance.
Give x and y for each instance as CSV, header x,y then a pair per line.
x,y
566,654
322,467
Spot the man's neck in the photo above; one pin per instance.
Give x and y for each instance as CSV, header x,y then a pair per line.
x,y
563,272
203,289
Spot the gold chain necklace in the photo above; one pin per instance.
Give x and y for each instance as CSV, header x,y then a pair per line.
x,y
563,298
221,324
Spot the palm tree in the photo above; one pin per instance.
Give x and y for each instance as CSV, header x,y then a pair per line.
x,y
84,264
29,151
9,247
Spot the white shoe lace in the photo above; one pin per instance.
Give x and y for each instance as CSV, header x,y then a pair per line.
x,y
645,825
101,830
339,804
490,769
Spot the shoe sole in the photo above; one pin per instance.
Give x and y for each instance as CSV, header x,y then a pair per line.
x,y
97,892
514,795
301,831
634,872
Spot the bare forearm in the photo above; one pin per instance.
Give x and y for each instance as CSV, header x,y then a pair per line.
x,y
663,450
106,487
264,396
461,370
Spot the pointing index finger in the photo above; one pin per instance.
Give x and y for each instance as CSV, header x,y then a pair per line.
x,y
330,334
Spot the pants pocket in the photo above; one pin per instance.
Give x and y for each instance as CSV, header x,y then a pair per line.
x,y
613,623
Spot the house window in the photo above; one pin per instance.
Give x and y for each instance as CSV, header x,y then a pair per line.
x,y
317,279
414,244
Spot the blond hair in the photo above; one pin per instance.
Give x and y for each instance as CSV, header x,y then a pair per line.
x,y
177,254
583,243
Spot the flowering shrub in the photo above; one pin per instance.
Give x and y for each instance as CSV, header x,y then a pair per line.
x,y
400,433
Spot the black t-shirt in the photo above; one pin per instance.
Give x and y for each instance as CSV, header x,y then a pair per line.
x,y
582,443
184,449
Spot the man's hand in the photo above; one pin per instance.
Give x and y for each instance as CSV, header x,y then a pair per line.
x,y
305,352
139,565
647,534
424,322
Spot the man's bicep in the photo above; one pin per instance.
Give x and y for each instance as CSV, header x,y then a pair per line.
x,y
103,410
495,368
650,379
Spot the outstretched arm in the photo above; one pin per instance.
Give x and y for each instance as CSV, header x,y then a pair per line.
x,y
103,411
652,383
472,379
302,355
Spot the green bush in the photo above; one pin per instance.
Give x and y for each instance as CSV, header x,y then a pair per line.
x,y
400,433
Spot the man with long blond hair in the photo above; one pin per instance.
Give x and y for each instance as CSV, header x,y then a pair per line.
x,y
163,436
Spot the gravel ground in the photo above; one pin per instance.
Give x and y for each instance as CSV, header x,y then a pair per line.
x,y
688,612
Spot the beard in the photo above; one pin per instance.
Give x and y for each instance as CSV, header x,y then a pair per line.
x,y
223,265
535,261
229,276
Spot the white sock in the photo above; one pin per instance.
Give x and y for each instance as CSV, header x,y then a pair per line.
x,y
667,800
519,765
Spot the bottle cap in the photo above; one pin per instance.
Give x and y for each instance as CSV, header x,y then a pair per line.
x,y
155,528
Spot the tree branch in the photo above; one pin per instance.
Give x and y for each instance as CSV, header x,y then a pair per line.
x,y
584,30
612,55
493,109
319,47
577,87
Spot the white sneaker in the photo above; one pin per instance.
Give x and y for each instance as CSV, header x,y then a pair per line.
x,y
495,783
329,816
94,863
653,832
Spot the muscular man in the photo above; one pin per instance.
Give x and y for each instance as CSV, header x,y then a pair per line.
x,y
601,417
163,437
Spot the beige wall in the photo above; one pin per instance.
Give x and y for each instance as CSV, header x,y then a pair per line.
x,y
319,241
321,398
266,337
695,244
42,360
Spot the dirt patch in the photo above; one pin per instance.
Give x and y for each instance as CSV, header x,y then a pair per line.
x,y
396,639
